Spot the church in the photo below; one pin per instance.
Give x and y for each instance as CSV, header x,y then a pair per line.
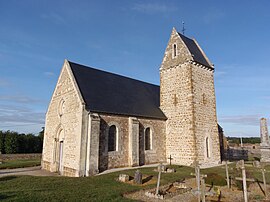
x,y
98,120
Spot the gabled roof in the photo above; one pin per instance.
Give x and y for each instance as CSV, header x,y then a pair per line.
x,y
197,54
106,92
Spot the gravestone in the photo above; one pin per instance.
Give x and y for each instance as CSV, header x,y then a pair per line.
x,y
123,178
162,168
138,177
265,144
170,170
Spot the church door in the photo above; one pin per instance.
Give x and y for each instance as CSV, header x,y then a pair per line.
x,y
60,157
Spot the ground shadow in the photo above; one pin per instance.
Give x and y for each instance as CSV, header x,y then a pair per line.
x,y
7,178
147,179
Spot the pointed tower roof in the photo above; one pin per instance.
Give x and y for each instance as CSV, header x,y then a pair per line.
x,y
196,51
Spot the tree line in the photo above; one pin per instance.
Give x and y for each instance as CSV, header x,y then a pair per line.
x,y
15,143
250,140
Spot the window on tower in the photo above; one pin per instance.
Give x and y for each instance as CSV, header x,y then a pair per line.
x,y
174,50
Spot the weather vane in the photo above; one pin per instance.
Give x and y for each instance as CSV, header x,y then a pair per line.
x,y
183,29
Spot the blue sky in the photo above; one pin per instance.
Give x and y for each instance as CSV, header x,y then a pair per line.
x,y
129,38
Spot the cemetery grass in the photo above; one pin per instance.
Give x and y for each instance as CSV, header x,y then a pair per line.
x,y
20,163
99,188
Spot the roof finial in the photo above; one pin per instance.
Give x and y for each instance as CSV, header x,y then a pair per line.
x,y
183,29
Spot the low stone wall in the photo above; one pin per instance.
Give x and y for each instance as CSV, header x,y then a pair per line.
x,y
7,157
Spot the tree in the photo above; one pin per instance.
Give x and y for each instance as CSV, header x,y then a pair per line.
x,y
2,142
11,142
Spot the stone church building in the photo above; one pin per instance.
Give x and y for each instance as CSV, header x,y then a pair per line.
x,y
97,120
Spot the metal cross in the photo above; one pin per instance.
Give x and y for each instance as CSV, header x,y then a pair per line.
x,y
170,158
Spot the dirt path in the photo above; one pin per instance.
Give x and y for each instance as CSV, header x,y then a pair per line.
x,y
34,171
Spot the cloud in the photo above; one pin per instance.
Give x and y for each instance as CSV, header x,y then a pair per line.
x,y
49,74
251,120
220,73
10,114
213,15
19,99
151,8
55,18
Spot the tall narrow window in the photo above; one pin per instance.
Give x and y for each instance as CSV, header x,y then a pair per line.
x,y
174,50
147,139
207,147
112,138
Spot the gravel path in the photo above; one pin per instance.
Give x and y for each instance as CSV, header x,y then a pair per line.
x,y
34,171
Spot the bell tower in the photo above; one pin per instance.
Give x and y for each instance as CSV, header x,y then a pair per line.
x,y
187,98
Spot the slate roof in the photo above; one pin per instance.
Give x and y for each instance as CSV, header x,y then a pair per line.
x,y
105,92
195,51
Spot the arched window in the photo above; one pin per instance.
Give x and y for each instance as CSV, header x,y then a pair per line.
x,y
207,147
112,139
174,50
147,139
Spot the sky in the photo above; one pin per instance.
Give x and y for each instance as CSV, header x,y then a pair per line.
x,y
129,38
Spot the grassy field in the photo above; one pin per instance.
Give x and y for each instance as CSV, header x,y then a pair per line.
x,y
98,188
20,163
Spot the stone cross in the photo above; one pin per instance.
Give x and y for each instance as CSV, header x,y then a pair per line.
x,y
264,132
138,177
241,164
170,158
160,166
201,192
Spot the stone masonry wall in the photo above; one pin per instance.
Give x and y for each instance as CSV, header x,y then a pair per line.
x,y
205,115
184,87
158,152
69,119
176,102
119,158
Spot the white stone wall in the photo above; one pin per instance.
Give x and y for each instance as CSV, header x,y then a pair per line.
x,y
70,122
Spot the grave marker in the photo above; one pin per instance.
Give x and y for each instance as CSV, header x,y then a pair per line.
x,y
241,164
170,158
257,164
159,175
227,174
138,177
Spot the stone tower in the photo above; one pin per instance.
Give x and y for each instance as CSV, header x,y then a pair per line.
x,y
265,144
187,97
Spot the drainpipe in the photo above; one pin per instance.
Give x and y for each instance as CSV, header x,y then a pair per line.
x,y
88,139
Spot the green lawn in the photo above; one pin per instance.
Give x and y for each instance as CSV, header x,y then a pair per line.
x,y
98,188
21,163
